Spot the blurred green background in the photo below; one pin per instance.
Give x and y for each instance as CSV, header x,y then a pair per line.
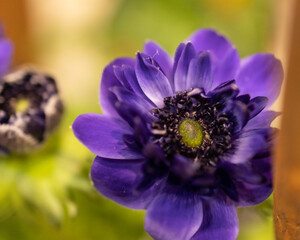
x,y
48,194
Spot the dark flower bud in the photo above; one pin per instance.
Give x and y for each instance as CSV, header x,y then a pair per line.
x,y
30,109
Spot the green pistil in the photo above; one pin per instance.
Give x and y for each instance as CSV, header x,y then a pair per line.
x,y
21,105
191,133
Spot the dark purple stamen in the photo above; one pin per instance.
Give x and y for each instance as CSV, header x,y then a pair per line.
x,y
185,105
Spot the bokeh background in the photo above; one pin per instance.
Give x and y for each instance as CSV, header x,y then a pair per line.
x,y
48,194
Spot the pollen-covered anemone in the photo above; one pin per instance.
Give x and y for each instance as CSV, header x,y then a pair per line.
x,y
188,138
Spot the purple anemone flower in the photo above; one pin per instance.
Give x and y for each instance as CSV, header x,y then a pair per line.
x,y
187,138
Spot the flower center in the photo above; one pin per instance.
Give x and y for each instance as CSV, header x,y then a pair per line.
x,y
22,92
22,105
191,133
191,125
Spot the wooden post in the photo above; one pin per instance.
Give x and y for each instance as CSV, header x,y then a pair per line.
x,y
287,160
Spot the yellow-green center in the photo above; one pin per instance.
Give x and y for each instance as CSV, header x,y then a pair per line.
x,y
22,104
191,132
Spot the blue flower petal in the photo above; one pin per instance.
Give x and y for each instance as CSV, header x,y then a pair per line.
x,y
119,73
102,135
224,92
174,216
226,68
245,173
137,119
127,78
262,120
248,145
226,59
152,81
220,222
250,194
238,114
263,166
210,40
133,100
160,56
199,72
183,168
177,55
256,105
129,73
117,180
181,71
225,182
260,75
244,98
108,80
6,51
